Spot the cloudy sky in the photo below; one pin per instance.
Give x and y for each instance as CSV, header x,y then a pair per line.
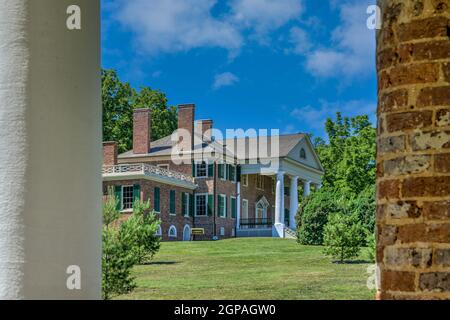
x,y
284,64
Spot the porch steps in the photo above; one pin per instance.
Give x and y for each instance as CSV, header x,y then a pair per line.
x,y
290,234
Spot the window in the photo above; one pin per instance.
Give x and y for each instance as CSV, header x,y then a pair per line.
x,y
127,197
233,232
244,209
185,205
172,232
232,173
163,166
302,153
233,207
201,170
158,232
222,171
222,205
156,199
172,207
244,179
260,182
222,231
201,202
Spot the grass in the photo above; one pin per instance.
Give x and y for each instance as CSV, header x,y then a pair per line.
x,y
243,269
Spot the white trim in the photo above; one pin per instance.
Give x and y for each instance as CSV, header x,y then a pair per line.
x,y
224,197
172,227
206,204
159,231
175,202
244,201
184,232
140,176
246,176
188,205
222,231
262,180
121,199
163,166
196,164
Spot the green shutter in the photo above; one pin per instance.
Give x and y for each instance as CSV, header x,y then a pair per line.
x,y
156,200
228,171
183,204
286,216
211,170
136,193
172,206
238,174
191,205
118,195
221,171
233,208
210,208
194,169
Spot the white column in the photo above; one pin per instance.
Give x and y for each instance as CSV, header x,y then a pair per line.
x,y
306,188
238,207
278,229
50,151
294,202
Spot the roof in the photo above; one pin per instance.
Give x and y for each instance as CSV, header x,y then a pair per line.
x,y
163,146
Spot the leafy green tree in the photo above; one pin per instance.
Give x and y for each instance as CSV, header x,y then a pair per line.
x,y
343,235
110,210
371,246
120,99
364,206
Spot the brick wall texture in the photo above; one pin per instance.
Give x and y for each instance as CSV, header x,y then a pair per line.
x,y
413,188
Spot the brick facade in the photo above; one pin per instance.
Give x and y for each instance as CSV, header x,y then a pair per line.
x,y
413,161
110,151
141,131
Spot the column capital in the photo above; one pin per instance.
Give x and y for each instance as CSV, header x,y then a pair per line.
x,y
280,174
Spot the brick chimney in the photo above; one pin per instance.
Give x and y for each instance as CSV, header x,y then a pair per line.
x,y
202,127
413,161
141,131
186,114
110,153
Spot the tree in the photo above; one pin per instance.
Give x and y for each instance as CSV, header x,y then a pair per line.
x,y
110,210
343,235
119,100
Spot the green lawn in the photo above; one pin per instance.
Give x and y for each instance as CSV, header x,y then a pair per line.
x,y
254,268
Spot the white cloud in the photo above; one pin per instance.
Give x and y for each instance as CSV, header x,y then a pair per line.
x,y
316,116
300,40
177,25
225,79
168,26
352,50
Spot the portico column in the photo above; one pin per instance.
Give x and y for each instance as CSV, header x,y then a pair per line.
x,y
278,229
294,202
50,149
306,188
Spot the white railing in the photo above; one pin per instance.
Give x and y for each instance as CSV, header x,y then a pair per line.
x,y
143,168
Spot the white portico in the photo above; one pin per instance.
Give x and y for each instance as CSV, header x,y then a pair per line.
x,y
297,167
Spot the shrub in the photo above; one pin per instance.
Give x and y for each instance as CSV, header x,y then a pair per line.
x,y
342,236
313,214
109,208
364,206
371,246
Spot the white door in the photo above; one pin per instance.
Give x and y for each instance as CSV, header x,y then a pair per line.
x,y
244,209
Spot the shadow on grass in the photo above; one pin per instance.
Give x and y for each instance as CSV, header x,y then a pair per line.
x,y
158,263
353,262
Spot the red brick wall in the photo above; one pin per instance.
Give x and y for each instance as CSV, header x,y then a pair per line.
x,y
186,116
110,151
413,215
147,189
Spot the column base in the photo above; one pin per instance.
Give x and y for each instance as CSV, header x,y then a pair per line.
x,y
278,230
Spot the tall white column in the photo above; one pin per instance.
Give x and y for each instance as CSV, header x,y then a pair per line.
x,y
278,229
306,188
238,207
50,151
294,202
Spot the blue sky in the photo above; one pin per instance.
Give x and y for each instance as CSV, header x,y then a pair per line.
x,y
283,64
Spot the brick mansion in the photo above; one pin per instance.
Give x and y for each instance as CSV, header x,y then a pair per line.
x,y
222,186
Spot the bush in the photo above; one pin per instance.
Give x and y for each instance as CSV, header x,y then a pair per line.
x,y
371,246
313,214
343,235
364,206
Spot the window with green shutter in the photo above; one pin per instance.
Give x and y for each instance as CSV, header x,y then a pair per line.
x,y
172,206
232,173
221,168
185,208
136,193
191,205
118,196
156,199
222,205
211,170
233,208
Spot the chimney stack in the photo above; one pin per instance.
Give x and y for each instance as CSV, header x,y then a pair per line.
x,y
203,129
110,153
186,114
141,131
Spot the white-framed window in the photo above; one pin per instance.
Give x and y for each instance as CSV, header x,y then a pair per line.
x,y
244,209
127,197
163,166
244,180
185,204
172,232
259,182
201,205
302,153
159,232
222,205
222,231
201,170
232,173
